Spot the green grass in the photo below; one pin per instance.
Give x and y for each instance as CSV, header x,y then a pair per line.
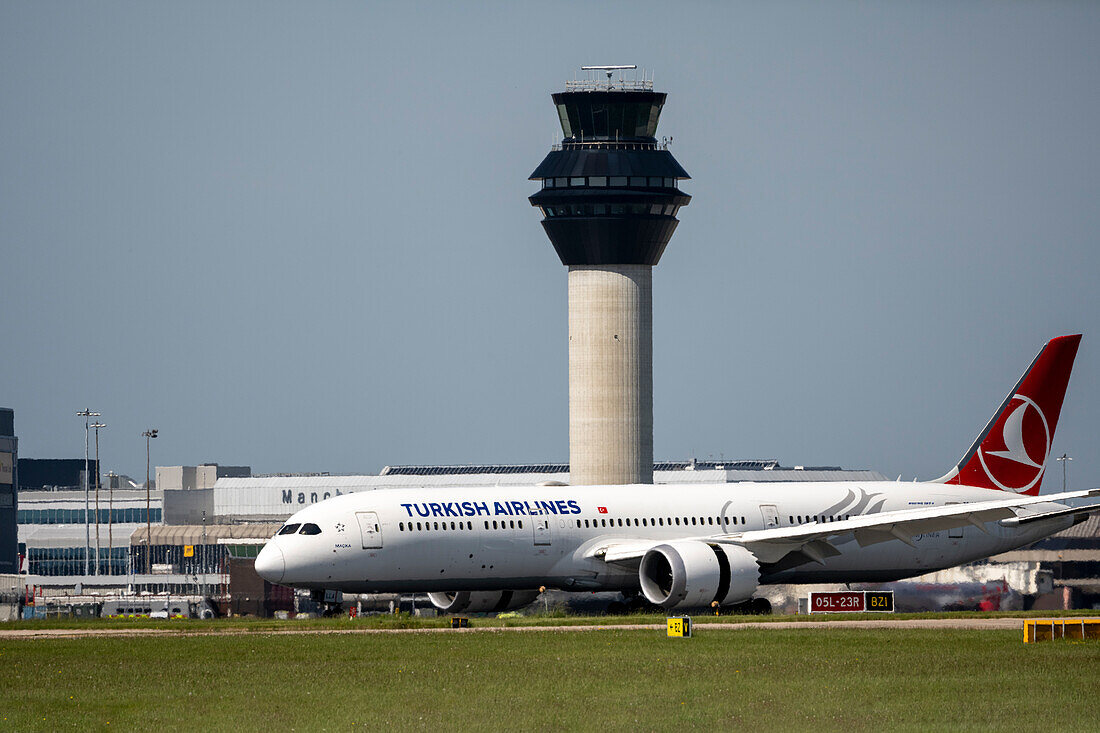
x,y
835,679
532,618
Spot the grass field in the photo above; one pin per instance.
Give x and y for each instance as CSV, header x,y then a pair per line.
x,y
611,679
532,618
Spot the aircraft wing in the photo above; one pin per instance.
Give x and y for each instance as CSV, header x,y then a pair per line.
x,y
815,539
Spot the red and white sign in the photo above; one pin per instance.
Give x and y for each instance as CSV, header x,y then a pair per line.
x,y
840,602
602,509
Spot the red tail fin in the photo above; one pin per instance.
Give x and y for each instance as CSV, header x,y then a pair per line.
x,y
1011,453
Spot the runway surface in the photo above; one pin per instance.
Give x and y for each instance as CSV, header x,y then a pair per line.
x,y
938,623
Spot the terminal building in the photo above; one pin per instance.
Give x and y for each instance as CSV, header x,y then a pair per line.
x,y
274,498
51,515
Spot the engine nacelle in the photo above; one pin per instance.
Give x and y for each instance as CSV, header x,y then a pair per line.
x,y
693,574
482,601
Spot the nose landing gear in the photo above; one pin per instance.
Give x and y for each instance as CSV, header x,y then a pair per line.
x,y
330,600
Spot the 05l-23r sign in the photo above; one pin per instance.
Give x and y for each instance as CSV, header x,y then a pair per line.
x,y
852,602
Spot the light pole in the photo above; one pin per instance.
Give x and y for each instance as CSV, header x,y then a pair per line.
x,y
86,413
203,561
97,425
1064,459
110,522
148,434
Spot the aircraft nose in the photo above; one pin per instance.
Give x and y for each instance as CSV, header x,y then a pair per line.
x,y
270,564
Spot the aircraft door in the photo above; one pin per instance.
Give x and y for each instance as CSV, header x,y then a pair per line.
x,y
541,528
770,515
370,529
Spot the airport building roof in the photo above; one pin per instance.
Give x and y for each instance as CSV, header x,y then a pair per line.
x,y
272,498
766,464
192,534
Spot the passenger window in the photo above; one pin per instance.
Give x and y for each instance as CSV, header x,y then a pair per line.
x,y
521,524
578,524
494,524
419,528
677,521
586,524
401,526
576,181
620,522
618,180
548,183
597,180
661,521
310,529
637,180
289,529
512,524
561,182
743,521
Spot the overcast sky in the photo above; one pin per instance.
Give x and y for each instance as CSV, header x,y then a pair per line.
x,y
296,235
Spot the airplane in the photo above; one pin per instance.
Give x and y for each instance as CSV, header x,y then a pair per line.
x,y
692,545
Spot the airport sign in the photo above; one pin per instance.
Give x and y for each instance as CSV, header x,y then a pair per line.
x,y
852,602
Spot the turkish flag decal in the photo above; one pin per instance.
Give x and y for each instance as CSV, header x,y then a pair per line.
x,y
602,509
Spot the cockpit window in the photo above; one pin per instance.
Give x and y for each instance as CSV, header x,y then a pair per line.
x,y
289,529
310,529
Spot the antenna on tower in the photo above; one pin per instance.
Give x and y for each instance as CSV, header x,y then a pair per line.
x,y
609,70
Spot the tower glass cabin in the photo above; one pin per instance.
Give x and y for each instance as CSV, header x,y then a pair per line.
x,y
609,198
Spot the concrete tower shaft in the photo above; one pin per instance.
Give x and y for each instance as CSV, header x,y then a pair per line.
x,y
610,374
609,198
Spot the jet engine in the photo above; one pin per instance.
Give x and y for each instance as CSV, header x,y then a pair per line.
x,y
693,574
482,601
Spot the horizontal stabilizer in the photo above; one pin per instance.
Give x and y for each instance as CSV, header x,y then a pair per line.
x,y
1029,518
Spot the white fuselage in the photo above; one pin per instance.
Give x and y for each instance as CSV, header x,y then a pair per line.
x,y
423,540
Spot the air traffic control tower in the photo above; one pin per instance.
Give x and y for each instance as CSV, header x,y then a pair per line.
x,y
609,199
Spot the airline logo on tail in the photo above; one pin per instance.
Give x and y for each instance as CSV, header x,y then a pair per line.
x,y
1013,469
1011,452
